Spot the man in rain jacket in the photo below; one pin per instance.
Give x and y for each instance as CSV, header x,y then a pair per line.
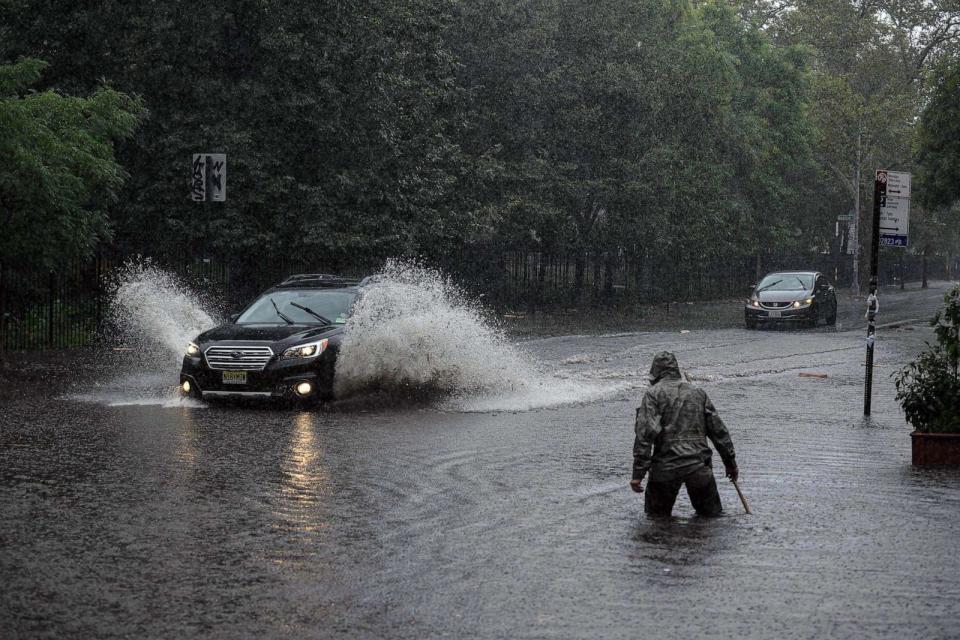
x,y
674,421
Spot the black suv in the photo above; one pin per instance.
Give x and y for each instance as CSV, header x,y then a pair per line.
x,y
282,345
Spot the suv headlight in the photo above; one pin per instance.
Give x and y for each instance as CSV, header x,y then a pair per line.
x,y
193,349
308,350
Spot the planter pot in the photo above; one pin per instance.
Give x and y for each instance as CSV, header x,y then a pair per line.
x,y
935,448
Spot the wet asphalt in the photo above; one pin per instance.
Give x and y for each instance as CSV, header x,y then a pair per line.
x,y
380,518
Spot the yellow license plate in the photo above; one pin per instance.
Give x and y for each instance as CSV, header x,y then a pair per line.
x,y
234,377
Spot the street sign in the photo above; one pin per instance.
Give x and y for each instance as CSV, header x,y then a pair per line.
x,y
893,188
208,179
898,184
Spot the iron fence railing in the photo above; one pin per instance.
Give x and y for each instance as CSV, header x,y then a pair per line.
x,y
66,307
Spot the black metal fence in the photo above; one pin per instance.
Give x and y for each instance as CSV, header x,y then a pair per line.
x,y
66,308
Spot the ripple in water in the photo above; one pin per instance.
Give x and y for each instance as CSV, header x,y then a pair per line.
x,y
413,332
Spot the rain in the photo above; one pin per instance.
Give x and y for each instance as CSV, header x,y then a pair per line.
x,y
350,319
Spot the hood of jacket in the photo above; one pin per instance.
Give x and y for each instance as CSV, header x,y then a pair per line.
x,y
664,366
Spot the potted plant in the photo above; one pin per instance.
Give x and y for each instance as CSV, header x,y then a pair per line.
x,y
928,389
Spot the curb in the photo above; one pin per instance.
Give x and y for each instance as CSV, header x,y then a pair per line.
x,y
900,323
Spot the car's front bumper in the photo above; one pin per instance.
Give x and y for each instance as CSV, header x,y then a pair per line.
x,y
790,314
276,380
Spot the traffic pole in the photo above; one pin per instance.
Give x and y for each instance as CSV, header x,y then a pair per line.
x,y
873,305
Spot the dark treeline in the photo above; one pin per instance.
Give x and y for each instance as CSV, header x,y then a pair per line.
x,y
629,139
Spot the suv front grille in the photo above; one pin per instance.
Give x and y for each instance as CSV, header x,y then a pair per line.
x,y
238,358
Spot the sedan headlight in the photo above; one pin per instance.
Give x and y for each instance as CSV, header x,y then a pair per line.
x,y
309,350
753,302
802,303
193,349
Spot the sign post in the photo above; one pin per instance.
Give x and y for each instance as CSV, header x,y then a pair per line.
x,y
208,177
891,220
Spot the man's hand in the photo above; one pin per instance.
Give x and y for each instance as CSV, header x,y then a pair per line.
x,y
732,472
637,486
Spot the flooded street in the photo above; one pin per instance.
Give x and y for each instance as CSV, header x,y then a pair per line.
x,y
128,513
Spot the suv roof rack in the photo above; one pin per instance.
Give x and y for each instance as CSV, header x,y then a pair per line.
x,y
318,280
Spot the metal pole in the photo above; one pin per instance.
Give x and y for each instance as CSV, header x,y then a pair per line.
x,y
855,226
879,194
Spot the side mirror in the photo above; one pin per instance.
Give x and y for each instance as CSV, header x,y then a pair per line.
x,y
234,316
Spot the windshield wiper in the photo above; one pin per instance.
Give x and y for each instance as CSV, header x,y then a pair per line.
x,y
769,285
277,309
802,283
312,312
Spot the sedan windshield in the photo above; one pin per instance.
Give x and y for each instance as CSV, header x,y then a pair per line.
x,y
786,282
291,306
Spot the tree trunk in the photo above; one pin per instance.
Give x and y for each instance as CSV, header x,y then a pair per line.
x,y
541,277
855,227
923,272
3,313
903,275
608,277
638,273
579,268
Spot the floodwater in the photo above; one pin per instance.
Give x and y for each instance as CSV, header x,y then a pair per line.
x,y
128,514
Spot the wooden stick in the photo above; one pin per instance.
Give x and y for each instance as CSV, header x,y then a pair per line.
x,y
746,507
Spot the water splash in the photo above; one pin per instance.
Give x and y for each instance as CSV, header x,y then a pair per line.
x,y
156,313
152,316
413,332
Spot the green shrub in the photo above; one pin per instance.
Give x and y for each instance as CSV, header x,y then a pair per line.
x,y
928,388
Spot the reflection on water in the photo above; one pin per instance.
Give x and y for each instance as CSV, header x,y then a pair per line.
x,y
679,542
299,507
304,479
186,449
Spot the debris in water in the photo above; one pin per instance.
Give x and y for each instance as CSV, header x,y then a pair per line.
x,y
804,374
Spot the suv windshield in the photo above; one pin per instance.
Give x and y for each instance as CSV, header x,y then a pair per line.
x,y
334,305
786,282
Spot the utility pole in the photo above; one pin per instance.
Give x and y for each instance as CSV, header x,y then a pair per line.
x,y
873,305
855,224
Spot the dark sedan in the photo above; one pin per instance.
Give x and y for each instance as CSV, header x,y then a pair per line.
x,y
803,297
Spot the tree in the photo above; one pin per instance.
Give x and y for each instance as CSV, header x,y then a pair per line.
x,y
938,153
871,59
339,120
58,173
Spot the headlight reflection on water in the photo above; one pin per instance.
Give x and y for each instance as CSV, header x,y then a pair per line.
x,y
304,479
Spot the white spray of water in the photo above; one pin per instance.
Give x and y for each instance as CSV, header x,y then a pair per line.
x,y
153,314
413,331
157,313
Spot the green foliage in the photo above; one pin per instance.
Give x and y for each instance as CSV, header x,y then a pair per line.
x,y
656,133
58,173
645,129
928,388
939,142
